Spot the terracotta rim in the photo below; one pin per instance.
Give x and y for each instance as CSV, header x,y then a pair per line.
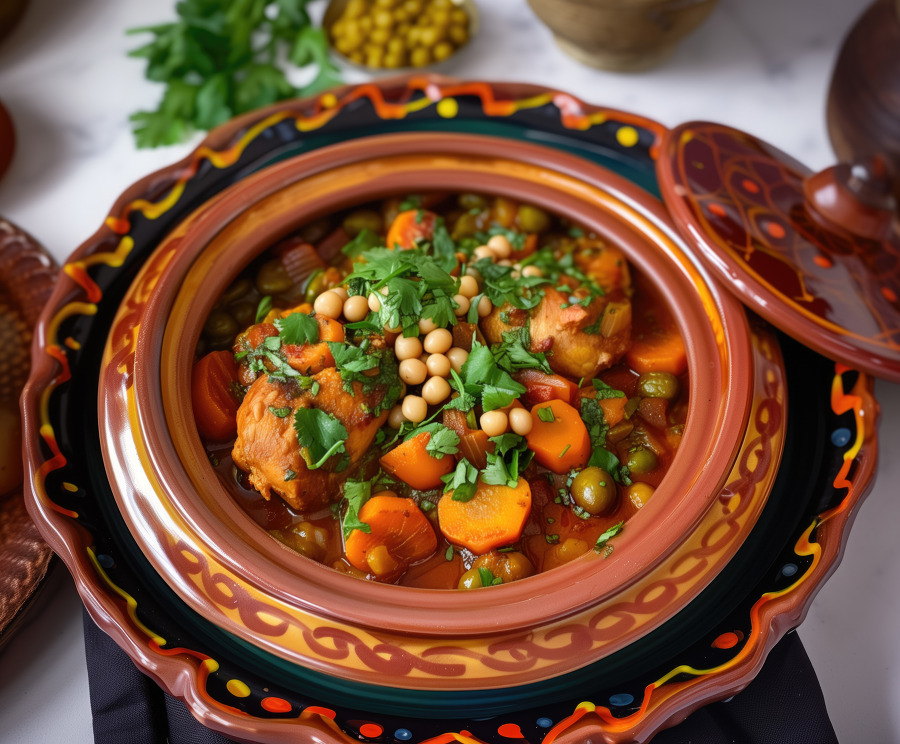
x,y
266,565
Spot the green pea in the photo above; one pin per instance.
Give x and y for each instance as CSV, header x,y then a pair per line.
x,y
220,326
272,278
594,490
531,219
658,385
363,219
641,461
237,290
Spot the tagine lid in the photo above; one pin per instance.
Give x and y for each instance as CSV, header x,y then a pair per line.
x,y
815,254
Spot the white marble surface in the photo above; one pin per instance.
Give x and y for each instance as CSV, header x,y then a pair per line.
x,y
762,66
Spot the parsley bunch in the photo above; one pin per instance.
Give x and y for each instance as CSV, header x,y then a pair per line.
x,y
221,58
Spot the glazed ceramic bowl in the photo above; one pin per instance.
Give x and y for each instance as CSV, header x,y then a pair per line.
x,y
250,640
228,568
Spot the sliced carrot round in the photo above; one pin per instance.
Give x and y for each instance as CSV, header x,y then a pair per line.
x,y
558,437
492,518
411,462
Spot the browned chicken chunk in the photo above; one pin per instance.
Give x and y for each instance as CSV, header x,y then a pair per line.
x,y
267,448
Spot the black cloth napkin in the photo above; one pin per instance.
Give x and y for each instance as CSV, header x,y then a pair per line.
x,y
783,704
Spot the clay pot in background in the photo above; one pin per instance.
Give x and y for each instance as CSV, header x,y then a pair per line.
x,y
10,13
621,35
864,99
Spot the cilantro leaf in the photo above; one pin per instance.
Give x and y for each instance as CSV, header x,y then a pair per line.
x,y
463,481
513,353
608,535
280,412
356,493
298,328
319,434
605,391
483,377
365,240
511,455
595,421
443,441
487,578
262,310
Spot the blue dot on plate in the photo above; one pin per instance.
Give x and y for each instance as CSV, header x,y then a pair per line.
x,y
840,437
403,734
789,569
623,698
105,560
544,722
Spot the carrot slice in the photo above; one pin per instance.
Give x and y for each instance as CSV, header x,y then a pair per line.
x,y
473,443
492,518
541,387
409,226
400,535
312,358
613,409
561,442
413,464
656,344
214,404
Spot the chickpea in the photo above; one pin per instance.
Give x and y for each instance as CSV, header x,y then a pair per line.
x,y
639,494
329,304
485,306
457,357
356,308
494,423
427,325
532,271
468,286
594,490
520,421
462,305
341,292
414,408
484,251
475,274
435,390
500,245
374,303
396,417
413,372
408,348
438,365
438,341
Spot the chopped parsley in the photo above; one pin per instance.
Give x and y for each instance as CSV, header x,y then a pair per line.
x,y
356,493
462,481
280,412
545,414
595,421
263,309
607,536
513,354
481,377
448,554
297,329
320,436
511,456
289,475
605,391
487,578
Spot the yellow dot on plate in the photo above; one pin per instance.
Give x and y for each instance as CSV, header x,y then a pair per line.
x,y
448,108
71,487
237,688
328,100
627,136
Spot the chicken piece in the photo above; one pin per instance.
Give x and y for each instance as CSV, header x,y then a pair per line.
x,y
502,319
559,331
267,448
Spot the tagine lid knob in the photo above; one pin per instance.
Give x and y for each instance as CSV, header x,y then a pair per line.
x,y
815,254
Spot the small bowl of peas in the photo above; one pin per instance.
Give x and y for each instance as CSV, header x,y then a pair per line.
x,y
397,35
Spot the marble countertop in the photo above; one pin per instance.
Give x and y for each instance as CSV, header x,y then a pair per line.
x,y
762,66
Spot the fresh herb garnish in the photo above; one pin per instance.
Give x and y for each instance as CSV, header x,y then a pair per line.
x,y
297,329
481,377
552,539
545,414
364,241
356,493
605,391
510,457
320,436
263,308
448,554
221,58
280,412
595,421
462,481
289,475
513,354
487,578
607,536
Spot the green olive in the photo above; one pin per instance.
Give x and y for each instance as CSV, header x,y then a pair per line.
x,y
472,201
509,566
641,461
658,385
363,219
220,326
237,290
531,219
594,490
272,278
244,313
306,538
639,494
471,579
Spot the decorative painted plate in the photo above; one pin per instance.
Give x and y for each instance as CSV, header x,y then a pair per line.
x,y
711,649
